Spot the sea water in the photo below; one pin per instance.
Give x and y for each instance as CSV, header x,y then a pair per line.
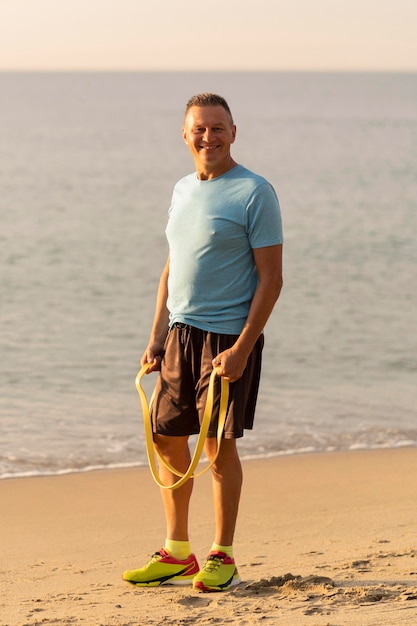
x,y
87,166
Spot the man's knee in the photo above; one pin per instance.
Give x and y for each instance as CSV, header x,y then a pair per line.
x,y
227,455
170,445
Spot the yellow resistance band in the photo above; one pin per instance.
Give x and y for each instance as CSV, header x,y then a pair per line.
x,y
150,447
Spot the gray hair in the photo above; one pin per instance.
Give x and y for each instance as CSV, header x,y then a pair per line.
x,y
208,100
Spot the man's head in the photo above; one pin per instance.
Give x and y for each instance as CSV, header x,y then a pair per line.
x,y
209,132
208,100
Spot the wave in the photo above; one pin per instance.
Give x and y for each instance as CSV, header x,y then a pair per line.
x,y
249,456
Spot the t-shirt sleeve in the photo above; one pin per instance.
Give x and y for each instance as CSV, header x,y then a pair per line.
x,y
264,223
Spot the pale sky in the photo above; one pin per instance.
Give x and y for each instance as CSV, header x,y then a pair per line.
x,y
213,35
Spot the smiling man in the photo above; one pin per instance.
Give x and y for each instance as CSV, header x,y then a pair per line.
x,y
209,133
217,290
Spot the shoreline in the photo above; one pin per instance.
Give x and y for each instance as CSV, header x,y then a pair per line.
x,y
342,524
244,459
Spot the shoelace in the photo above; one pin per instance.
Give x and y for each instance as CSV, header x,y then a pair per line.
x,y
157,557
212,563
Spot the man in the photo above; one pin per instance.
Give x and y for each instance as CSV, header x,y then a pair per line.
x,y
216,293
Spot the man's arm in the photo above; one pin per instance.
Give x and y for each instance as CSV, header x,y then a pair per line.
x,y
268,263
155,349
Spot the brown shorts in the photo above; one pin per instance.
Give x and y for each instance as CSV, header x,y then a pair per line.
x,y
181,390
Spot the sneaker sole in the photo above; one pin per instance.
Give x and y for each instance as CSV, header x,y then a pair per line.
x,y
200,586
178,582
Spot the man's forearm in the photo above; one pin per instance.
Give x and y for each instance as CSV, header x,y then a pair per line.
x,y
161,318
261,308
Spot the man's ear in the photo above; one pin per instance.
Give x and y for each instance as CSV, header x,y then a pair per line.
x,y
184,135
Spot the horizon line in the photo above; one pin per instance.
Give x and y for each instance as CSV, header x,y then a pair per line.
x,y
126,70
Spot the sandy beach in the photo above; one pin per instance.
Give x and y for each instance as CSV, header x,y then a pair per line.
x,y
322,540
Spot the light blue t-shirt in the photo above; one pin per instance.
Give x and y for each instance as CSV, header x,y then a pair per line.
x,y
212,227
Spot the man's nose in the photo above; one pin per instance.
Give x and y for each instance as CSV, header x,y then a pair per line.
x,y
208,135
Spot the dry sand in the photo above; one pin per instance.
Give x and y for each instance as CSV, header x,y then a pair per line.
x,y
322,540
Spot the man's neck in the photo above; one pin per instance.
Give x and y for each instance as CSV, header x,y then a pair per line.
x,y
208,173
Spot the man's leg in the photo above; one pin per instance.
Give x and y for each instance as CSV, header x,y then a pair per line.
x,y
172,564
219,572
176,501
227,484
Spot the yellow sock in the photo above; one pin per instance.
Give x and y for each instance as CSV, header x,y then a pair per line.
x,y
226,549
178,549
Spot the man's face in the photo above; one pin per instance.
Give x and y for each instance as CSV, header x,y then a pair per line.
x,y
208,132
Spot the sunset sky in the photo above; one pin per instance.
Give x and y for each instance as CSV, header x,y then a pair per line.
x,y
216,35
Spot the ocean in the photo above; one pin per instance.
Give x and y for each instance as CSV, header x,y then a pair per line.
x,y
87,166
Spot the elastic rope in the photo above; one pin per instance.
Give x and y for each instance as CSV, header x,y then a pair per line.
x,y
208,410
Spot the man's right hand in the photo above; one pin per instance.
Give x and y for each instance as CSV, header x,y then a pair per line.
x,y
153,356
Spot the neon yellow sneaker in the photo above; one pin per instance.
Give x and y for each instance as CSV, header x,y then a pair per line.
x,y
218,573
163,569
